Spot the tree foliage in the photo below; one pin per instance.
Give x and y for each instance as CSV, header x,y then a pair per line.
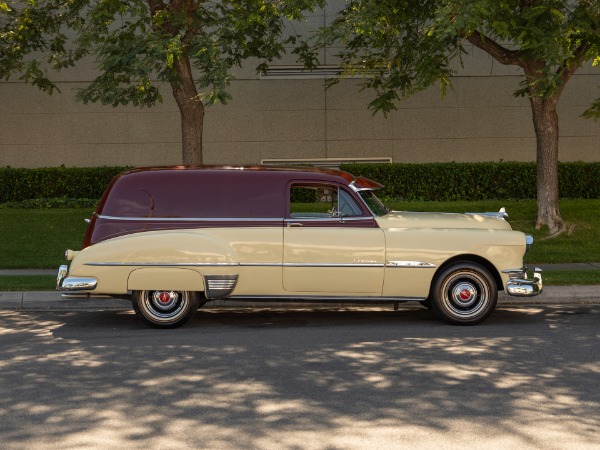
x,y
401,47
139,45
134,46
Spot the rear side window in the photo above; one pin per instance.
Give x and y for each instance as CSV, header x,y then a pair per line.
x,y
196,194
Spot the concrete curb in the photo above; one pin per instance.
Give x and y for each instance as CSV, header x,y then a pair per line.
x,y
52,300
27,272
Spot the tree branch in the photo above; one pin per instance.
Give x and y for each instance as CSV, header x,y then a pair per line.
x,y
497,51
177,6
569,66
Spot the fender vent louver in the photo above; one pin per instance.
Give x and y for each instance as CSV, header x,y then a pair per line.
x,y
219,286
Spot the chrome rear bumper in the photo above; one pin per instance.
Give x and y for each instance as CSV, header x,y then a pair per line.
x,y
66,283
519,285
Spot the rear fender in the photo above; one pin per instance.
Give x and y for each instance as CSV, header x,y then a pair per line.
x,y
177,260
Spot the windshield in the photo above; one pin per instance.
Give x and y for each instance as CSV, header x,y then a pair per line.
x,y
374,203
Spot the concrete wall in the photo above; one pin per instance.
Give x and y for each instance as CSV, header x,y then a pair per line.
x,y
479,120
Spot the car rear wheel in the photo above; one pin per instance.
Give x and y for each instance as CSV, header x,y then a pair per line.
x,y
464,294
165,309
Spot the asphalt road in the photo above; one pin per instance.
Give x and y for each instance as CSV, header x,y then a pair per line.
x,y
529,377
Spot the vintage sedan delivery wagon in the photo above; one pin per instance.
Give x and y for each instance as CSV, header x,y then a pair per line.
x,y
174,238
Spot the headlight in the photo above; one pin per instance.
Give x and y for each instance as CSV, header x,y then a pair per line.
x,y
528,241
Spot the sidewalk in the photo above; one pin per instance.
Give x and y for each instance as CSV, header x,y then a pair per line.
x,y
52,300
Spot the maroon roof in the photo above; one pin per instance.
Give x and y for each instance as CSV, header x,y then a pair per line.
x,y
183,180
286,171
203,192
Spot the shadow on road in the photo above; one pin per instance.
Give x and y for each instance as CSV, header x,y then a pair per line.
x,y
300,379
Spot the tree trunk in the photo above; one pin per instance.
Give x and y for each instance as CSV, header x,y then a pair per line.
x,y
192,113
545,118
545,122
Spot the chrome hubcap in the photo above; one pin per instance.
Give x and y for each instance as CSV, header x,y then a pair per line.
x,y
464,294
164,300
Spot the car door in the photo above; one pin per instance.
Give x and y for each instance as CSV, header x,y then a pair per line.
x,y
332,244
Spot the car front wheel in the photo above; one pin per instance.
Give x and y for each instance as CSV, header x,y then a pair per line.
x,y
464,294
165,309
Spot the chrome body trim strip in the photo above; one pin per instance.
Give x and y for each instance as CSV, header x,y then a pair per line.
x,y
158,264
411,264
332,265
260,264
150,264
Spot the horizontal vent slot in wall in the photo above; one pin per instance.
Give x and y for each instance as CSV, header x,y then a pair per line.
x,y
294,72
333,163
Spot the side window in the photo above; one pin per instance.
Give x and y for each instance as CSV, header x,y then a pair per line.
x,y
347,205
313,201
321,201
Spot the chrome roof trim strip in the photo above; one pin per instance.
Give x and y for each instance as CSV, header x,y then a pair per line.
x,y
193,219
340,219
229,219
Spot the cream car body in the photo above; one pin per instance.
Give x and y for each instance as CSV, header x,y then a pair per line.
x,y
347,253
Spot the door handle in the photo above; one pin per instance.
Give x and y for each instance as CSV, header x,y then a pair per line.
x,y
294,224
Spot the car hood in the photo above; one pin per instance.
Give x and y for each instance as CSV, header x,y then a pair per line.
x,y
403,219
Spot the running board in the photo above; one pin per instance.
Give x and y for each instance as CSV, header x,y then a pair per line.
x,y
320,299
87,295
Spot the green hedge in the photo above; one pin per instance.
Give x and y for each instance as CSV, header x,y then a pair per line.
x,y
440,181
476,181
51,203
17,185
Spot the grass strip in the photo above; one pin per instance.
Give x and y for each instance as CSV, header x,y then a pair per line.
x,y
580,243
571,277
27,283
38,238
31,238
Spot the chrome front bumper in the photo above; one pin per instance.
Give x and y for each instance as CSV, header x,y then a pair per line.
x,y
519,285
66,283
